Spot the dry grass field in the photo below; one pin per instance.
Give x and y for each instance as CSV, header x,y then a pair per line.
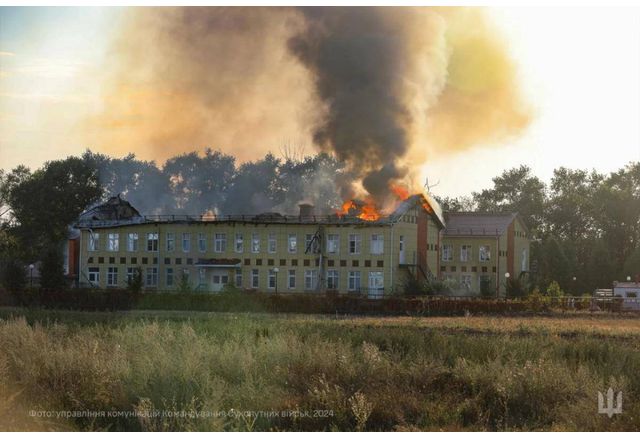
x,y
167,371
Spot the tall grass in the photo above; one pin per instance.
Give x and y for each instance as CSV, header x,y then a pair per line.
x,y
350,376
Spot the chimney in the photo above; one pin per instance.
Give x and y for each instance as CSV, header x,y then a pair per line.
x,y
306,210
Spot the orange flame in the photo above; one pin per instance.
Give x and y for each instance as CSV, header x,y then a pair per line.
x,y
367,212
400,191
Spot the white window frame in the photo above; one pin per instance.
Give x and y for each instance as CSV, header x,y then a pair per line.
x,y
186,239
291,277
466,253
171,242
151,273
132,242
447,252
333,243
272,243
355,244
220,242
153,237
112,276
255,243
333,279
377,244
292,243
271,279
255,278
239,243
93,273
202,242
238,278
484,253
113,242
130,273
94,242
310,279
355,281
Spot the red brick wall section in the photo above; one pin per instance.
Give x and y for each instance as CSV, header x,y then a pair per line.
x,y
74,254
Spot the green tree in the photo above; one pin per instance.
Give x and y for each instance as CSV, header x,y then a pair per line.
x,y
46,202
51,269
135,283
13,275
516,190
632,265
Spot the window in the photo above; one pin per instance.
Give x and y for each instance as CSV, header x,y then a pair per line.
x,y
465,253
131,272
447,252
376,283
310,279
332,280
354,244
113,242
255,278
293,243
239,243
185,276
238,277
152,277
169,277
202,276
485,253
524,264
354,281
333,243
220,243
291,281
308,239
186,242
112,276
272,243
94,242
94,275
377,244
152,242
171,242
202,242
271,284
255,243
132,242
465,281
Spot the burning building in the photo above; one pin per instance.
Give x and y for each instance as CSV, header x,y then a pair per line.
x,y
350,252
357,250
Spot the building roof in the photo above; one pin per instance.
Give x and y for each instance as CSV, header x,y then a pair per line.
x,y
477,224
117,212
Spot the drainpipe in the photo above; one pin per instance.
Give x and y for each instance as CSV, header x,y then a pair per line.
x,y
80,259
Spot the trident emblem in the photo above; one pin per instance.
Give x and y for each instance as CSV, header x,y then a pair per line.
x,y
610,409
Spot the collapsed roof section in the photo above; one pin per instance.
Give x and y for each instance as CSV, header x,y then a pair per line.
x,y
117,212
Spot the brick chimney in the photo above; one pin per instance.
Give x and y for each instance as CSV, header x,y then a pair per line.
x,y
306,210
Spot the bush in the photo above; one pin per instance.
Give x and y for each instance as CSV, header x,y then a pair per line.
x,y
51,269
554,290
487,288
135,282
14,277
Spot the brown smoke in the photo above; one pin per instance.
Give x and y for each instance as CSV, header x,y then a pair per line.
x,y
381,88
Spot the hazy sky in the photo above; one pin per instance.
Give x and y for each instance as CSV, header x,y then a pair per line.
x,y
579,69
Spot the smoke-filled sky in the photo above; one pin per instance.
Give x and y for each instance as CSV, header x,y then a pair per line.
x,y
456,95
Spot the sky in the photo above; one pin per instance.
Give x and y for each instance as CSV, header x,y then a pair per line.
x,y
578,69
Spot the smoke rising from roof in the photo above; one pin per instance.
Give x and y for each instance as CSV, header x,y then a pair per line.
x,y
380,88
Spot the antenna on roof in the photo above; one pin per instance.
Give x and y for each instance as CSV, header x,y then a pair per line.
x,y
427,186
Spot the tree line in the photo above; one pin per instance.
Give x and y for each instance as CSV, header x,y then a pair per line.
x,y
585,225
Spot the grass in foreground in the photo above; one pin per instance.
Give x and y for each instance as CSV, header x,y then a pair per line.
x,y
472,373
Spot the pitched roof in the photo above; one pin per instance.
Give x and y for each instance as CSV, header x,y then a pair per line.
x,y
477,224
426,201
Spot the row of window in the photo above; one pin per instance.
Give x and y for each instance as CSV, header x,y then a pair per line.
x,y
259,261
150,278
466,254
220,242
453,269
465,281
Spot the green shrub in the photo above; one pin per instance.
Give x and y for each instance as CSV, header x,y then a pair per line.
x,y
554,290
135,283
